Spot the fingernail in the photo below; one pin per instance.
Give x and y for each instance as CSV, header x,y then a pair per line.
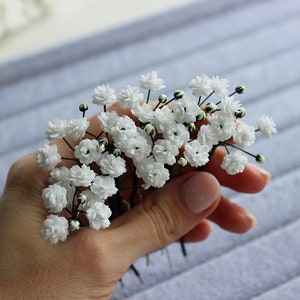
x,y
252,220
262,171
247,214
250,217
199,191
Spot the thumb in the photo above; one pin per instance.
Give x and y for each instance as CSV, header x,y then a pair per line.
x,y
167,214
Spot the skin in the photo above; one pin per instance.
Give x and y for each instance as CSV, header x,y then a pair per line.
x,y
89,264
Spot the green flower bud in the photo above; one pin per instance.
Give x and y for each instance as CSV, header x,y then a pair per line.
x,y
83,107
81,198
260,158
117,152
191,127
182,161
201,116
162,98
240,113
150,129
240,89
178,94
103,142
210,108
74,225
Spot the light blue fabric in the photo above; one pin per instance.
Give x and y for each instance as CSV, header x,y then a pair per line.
x,y
255,43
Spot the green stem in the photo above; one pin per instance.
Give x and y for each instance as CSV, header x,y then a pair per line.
x,y
168,102
91,134
182,246
148,96
233,146
72,159
206,98
69,145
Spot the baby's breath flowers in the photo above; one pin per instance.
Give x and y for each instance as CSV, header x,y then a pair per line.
x,y
108,169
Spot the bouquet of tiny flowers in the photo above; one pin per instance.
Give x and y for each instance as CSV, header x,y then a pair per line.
x,y
137,146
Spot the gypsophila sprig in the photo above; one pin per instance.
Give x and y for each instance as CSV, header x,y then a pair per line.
x,y
137,146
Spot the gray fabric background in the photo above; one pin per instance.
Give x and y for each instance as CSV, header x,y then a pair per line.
x,y
255,43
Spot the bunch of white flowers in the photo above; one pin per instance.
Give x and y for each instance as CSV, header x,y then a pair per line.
x,y
128,154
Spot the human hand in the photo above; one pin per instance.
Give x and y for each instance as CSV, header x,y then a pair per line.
x,y
89,263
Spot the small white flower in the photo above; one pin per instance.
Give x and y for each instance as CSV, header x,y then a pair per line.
x,y
163,118
107,120
123,125
136,147
128,96
104,186
244,135
55,229
219,86
76,128
98,215
144,112
153,173
55,198
234,163
104,95
111,165
60,175
56,129
47,157
223,126
266,125
196,154
87,151
178,134
151,81
185,110
230,106
165,152
201,86
208,136
81,176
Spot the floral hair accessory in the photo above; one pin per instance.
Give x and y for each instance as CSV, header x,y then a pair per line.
x,y
137,149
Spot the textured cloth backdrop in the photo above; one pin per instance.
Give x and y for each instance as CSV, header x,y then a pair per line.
x,y
255,43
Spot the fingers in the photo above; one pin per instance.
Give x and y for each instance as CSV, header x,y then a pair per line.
x,y
168,213
228,215
199,233
232,217
252,180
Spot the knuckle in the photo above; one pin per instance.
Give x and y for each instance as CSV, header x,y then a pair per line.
x,y
92,251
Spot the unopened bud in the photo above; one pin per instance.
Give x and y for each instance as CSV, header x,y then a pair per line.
x,y
102,145
210,108
191,127
260,158
178,94
240,112
81,198
74,225
201,116
182,161
162,98
117,152
240,89
150,129
83,107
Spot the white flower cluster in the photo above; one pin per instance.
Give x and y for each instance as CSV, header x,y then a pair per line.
x,y
183,130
